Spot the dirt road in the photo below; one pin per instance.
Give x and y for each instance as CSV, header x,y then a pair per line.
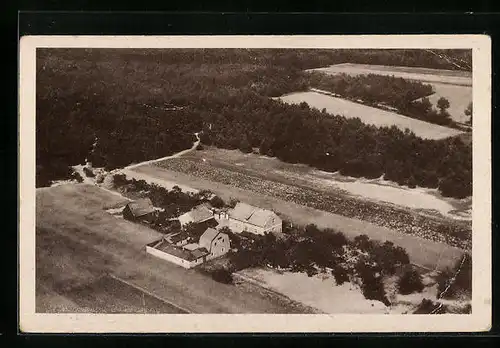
x,y
178,154
78,243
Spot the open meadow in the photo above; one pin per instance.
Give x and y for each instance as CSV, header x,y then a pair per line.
x,y
78,245
369,115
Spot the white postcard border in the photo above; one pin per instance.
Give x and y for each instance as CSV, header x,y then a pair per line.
x,y
479,320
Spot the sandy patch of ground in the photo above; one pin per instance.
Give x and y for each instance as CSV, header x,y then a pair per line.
x,y
369,115
317,292
385,191
374,189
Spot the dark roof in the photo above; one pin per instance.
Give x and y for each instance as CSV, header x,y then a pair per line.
x,y
176,251
141,207
178,237
200,252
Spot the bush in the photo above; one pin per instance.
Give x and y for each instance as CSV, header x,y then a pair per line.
x,y
372,285
199,147
120,180
217,202
232,202
410,282
222,275
429,307
340,274
77,177
88,172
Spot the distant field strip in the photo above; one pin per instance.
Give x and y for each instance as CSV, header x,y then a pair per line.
x,y
369,115
462,78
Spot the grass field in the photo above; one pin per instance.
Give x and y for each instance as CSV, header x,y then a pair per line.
x,y
454,85
78,244
369,115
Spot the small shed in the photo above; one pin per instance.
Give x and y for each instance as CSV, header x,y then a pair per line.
x,y
140,210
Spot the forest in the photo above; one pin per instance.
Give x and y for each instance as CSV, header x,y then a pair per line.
x,y
141,104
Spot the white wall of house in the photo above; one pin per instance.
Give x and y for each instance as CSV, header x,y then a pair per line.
x,y
219,246
173,259
278,228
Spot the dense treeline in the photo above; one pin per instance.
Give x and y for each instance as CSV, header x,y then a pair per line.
x,y
406,96
298,134
142,104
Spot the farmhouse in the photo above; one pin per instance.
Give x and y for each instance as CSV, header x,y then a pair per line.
x,y
202,213
244,217
212,244
140,210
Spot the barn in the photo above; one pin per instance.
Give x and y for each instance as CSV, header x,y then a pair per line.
x,y
140,210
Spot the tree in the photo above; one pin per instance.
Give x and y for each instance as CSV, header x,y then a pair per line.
x,y
232,202
410,282
340,274
245,145
412,183
222,275
217,202
443,104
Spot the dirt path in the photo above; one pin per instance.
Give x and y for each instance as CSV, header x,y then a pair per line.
x,y
178,154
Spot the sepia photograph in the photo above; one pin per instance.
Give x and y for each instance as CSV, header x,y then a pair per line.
x,y
255,177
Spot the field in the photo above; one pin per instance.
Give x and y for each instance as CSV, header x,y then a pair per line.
x,y
306,186
455,77
459,97
456,86
369,115
89,261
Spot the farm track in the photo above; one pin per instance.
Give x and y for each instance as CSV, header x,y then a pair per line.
x,y
452,233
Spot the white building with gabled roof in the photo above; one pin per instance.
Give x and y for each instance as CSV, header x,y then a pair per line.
x,y
245,217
